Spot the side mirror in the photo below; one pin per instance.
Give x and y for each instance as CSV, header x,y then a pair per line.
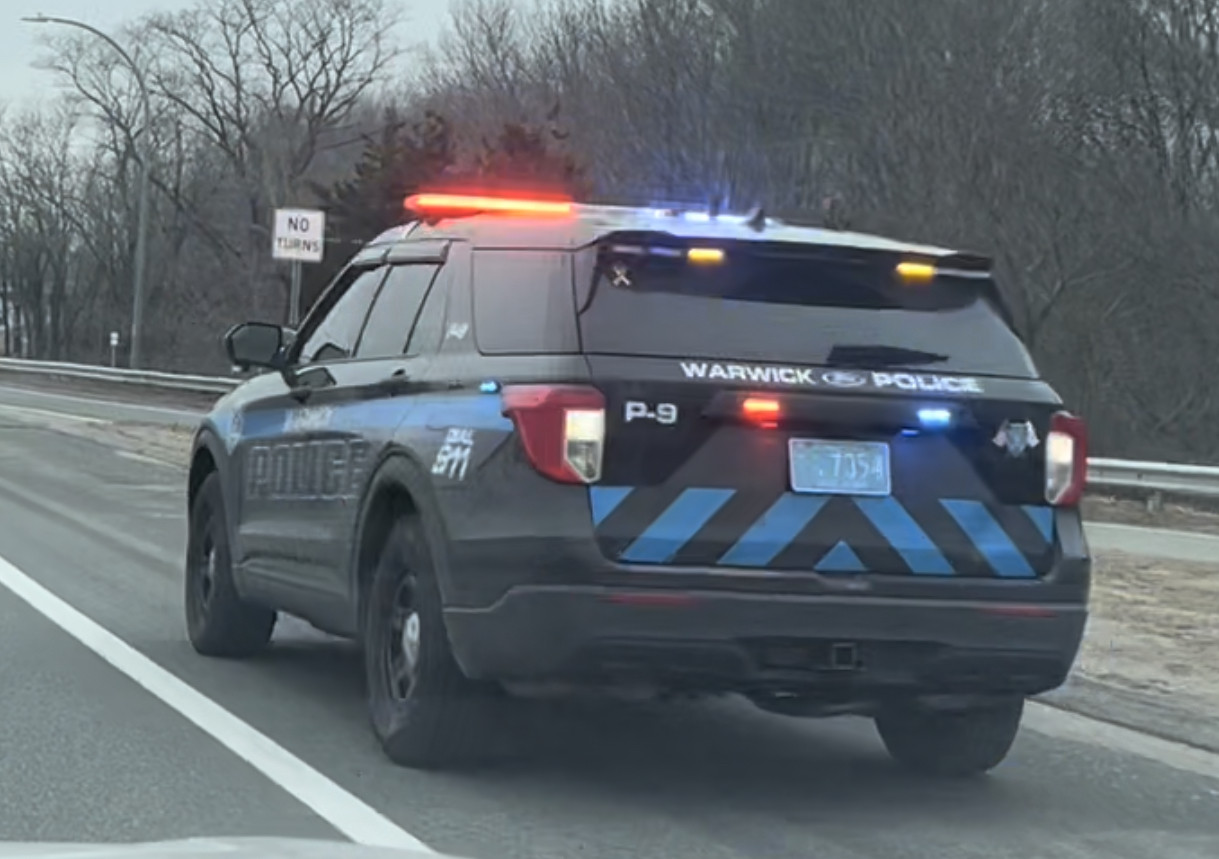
x,y
255,344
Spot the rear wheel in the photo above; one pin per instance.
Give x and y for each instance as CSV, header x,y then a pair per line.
x,y
423,708
218,621
950,743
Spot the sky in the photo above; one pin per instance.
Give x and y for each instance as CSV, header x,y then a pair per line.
x,y
22,84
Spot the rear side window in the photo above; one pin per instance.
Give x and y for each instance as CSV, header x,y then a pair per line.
x,y
394,311
523,302
770,303
425,339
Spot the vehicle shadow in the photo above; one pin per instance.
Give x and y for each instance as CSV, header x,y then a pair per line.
x,y
719,754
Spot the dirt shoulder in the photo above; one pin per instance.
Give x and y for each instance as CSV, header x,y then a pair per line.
x,y
1150,658
169,445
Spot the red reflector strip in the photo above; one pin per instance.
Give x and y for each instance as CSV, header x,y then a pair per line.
x,y
1020,611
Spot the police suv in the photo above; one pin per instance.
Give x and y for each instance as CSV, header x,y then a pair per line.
x,y
524,445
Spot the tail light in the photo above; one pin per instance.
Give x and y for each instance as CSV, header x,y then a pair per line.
x,y
562,428
1066,460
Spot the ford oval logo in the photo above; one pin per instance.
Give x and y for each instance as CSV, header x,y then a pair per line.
x,y
844,379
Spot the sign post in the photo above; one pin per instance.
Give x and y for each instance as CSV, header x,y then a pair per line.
x,y
299,236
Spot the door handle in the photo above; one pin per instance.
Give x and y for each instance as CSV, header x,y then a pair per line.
x,y
396,382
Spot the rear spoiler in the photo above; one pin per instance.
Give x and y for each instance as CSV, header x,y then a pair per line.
x,y
956,264
960,263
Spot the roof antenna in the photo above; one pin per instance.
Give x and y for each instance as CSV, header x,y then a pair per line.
x,y
756,219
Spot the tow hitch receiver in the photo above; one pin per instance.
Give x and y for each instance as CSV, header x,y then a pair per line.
x,y
844,656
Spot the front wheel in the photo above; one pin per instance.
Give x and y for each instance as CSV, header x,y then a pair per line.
x,y
950,743
423,708
218,621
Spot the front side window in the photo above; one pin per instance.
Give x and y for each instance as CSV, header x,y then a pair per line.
x,y
342,316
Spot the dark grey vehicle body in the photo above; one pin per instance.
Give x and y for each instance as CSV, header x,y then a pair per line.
x,y
964,582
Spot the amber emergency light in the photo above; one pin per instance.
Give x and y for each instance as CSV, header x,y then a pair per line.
x,y
916,272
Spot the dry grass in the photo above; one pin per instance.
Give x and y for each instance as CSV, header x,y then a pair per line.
x,y
1174,515
1155,629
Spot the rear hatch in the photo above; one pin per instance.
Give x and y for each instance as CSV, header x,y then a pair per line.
x,y
794,407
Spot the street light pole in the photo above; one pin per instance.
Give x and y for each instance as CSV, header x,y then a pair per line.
x,y
141,235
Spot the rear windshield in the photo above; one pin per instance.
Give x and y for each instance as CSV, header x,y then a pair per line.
x,y
774,304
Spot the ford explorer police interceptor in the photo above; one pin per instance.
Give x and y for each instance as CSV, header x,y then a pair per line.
x,y
523,445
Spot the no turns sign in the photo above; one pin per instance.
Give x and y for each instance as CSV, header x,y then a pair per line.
x,y
299,235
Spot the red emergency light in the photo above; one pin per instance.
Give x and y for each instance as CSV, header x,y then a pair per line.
x,y
763,411
439,205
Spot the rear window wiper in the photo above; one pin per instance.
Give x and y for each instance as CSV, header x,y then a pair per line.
x,y
880,356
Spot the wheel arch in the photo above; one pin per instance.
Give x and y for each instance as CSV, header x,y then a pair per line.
x,y
400,486
203,461
208,456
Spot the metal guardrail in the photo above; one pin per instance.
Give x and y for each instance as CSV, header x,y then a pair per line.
x,y
1195,480
1171,477
118,375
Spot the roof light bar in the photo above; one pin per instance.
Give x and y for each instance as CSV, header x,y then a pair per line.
x,y
466,204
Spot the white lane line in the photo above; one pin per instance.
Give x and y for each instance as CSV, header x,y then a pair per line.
x,y
139,457
161,488
1064,724
348,814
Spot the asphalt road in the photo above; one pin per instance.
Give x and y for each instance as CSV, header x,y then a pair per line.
x,y
112,728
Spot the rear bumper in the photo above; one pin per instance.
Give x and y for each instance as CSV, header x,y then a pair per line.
x,y
530,597
729,641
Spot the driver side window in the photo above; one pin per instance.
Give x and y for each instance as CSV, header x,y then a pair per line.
x,y
334,338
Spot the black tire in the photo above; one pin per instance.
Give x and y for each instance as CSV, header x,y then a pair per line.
x,y
218,621
424,711
952,744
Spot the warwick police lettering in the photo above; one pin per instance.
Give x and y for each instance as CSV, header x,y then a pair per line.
x,y
924,382
306,470
748,373
806,377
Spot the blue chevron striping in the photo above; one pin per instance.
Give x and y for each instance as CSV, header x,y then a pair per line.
x,y
604,500
1043,519
989,538
682,519
791,513
840,559
774,531
910,541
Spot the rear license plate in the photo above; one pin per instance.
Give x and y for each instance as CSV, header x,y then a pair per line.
x,y
839,467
